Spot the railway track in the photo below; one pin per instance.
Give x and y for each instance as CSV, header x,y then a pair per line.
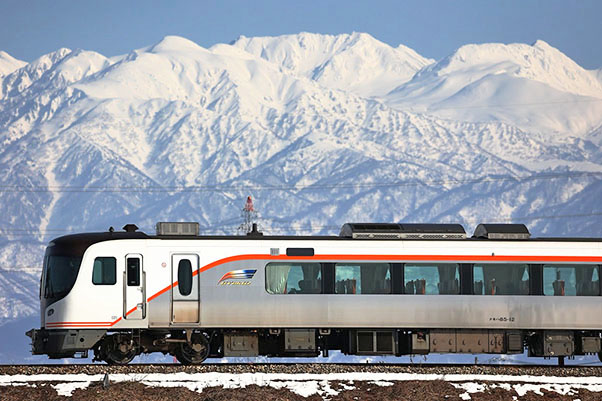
x,y
307,368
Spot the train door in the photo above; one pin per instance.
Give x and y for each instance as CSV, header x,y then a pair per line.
x,y
134,288
185,298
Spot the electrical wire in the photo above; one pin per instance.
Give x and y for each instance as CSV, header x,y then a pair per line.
x,y
229,189
220,230
511,105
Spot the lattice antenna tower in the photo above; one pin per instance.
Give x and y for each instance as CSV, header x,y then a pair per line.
x,y
249,216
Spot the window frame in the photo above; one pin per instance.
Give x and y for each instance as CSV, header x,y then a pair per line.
x,y
458,271
390,268
102,271
321,275
190,283
597,268
138,273
527,269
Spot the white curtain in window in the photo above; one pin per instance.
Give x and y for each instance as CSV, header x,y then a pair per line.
x,y
276,277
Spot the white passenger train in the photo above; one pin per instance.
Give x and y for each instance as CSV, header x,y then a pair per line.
x,y
376,289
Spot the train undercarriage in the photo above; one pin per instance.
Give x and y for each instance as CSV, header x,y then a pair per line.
x,y
193,346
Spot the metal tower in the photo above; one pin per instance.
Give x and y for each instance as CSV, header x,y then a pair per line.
x,y
249,215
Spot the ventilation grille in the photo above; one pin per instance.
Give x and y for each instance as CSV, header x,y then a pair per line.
x,y
376,236
178,228
434,236
406,236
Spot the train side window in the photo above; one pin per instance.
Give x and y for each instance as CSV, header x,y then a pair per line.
x,y
293,278
362,278
185,277
431,278
501,279
571,280
133,272
104,271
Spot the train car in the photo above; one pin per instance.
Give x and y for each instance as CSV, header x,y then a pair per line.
x,y
376,289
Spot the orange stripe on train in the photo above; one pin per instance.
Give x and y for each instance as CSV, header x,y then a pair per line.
x,y
400,258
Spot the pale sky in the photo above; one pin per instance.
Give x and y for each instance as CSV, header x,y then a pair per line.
x,y
29,29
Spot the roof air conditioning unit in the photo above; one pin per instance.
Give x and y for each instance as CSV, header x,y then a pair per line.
x,y
402,231
502,231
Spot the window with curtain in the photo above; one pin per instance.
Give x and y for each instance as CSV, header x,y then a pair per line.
x,y
431,278
575,280
362,278
293,278
501,279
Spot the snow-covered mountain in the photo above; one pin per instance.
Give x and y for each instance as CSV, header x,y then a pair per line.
x,y
356,63
534,87
8,63
320,130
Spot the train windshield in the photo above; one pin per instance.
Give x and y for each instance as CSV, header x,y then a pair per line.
x,y
59,275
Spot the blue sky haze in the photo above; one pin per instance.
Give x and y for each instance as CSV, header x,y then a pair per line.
x,y
29,29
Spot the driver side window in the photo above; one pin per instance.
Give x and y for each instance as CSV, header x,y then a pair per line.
x,y
104,271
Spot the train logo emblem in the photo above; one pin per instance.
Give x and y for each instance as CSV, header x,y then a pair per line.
x,y
245,275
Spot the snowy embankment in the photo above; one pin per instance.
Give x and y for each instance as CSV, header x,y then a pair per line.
x,y
325,386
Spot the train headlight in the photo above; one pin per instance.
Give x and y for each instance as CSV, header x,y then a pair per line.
x,y
50,312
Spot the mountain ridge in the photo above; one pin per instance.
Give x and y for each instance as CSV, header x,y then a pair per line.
x,y
321,58
8,63
477,78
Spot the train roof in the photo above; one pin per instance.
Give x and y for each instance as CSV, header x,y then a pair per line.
x,y
349,231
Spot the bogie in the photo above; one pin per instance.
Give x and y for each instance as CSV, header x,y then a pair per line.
x,y
117,349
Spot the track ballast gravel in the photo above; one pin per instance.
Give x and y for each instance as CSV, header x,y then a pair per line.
x,y
308,368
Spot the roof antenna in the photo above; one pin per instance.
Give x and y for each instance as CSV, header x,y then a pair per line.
x,y
254,232
130,228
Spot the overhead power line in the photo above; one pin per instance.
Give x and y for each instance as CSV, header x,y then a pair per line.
x,y
510,105
288,226
228,188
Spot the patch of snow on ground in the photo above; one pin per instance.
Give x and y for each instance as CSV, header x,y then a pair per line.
x,y
315,384
66,389
523,388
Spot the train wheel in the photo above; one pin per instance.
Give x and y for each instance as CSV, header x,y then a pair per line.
x,y
193,352
118,350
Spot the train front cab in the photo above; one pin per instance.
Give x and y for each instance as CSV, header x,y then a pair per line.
x,y
60,335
